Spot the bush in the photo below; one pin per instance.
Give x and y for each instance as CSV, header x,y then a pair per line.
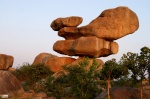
x,y
30,75
81,83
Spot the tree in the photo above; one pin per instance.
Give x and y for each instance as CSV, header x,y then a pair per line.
x,y
145,54
111,70
82,82
139,64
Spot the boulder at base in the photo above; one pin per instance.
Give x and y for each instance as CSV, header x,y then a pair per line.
x,y
9,84
42,58
55,64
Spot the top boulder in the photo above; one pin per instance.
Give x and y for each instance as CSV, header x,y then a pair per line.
x,y
72,21
112,24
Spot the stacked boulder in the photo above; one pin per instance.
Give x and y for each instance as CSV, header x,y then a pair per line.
x,y
97,38
9,84
93,40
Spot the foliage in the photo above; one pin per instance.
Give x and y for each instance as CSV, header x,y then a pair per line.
x,y
111,70
29,75
139,64
81,81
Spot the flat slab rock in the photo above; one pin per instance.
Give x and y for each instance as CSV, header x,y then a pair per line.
x,y
86,46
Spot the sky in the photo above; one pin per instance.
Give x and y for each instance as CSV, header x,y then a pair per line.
x,y
25,28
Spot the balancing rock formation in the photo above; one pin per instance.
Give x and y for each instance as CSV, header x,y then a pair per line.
x,y
97,38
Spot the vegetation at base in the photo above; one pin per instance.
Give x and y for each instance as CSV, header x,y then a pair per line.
x,y
138,64
78,82
112,70
31,75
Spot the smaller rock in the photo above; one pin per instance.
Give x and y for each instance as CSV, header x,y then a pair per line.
x,y
55,64
6,61
40,94
42,58
72,21
11,69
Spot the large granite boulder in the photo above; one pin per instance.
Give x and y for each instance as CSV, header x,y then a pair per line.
x,y
111,24
55,64
9,84
6,61
42,58
86,46
72,21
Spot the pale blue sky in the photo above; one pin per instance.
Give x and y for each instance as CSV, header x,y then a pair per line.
x,y
25,30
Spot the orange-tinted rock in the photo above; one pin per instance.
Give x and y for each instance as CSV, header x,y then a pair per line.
x,y
69,33
112,24
11,69
90,60
76,62
86,46
6,61
9,84
72,21
64,47
42,58
55,64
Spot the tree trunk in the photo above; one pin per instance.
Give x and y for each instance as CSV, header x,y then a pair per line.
x,y
149,77
141,90
108,87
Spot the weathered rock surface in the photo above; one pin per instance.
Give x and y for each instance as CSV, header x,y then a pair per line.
x,y
86,46
11,69
81,59
111,24
6,61
55,64
72,21
123,93
70,33
42,58
9,84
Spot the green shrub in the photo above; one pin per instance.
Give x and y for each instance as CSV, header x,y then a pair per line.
x,y
82,83
30,75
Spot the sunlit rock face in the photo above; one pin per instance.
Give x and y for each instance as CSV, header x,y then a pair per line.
x,y
42,58
111,24
86,46
56,64
6,61
95,39
72,21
